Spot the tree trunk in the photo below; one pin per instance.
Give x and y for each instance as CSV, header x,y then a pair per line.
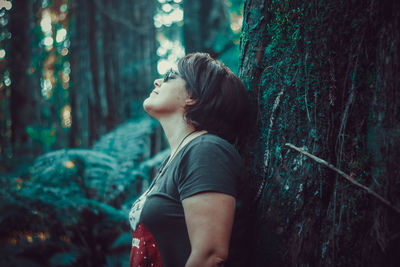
x,y
324,77
113,65
26,96
206,27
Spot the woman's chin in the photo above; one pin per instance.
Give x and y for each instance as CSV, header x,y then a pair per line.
x,y
148,107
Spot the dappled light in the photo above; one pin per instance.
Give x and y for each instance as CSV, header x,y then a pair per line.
x,y
6,4
45,22
66,116
6,78
46,88
61,35
236,22
170,15
172,52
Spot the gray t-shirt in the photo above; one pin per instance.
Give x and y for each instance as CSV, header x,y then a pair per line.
x,y
160,237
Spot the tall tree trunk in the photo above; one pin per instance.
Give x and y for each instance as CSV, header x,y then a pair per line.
x,y
25,87
81,76
206,27
323,77
113,65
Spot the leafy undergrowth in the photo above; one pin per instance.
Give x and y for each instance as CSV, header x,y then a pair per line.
x,y
71,208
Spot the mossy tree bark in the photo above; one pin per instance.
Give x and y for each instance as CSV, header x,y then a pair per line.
x,y
324,76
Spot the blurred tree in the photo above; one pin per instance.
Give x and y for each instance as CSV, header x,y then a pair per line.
x,y
5,82
324,76
113,64
25,97
207,27
70,207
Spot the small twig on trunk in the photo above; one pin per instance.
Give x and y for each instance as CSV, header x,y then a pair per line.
x,y
346,176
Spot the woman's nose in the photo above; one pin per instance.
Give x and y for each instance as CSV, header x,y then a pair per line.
x,y
157,82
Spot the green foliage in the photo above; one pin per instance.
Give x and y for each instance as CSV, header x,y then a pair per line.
x,y
60,226
71,208
64,258
45,136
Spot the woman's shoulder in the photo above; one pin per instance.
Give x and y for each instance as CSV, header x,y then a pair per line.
x,y
211,140
207,144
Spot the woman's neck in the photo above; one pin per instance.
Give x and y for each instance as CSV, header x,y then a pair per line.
x,y
175,129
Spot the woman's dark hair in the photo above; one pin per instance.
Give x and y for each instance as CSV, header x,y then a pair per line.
x,y
221,104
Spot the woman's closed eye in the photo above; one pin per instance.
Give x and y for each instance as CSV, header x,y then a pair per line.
x,y
169,75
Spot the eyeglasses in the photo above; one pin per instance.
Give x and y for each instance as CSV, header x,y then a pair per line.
x,y
170,74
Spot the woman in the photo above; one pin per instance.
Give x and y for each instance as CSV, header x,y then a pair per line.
x,y
191,213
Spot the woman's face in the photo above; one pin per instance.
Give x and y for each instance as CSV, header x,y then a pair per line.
x,y
168,97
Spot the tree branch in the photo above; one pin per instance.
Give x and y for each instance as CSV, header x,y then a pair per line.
x,y
346,176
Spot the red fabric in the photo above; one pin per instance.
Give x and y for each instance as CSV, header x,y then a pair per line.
x,y
144,252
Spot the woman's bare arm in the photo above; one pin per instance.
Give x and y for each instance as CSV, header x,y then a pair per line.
x,y
209,219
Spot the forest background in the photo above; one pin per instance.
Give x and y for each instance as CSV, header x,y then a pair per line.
x,y
77,149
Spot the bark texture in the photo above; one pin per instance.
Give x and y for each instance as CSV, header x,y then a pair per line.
x,y
113,64
324,76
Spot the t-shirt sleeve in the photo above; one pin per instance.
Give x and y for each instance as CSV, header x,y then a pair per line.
x,y
209,167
